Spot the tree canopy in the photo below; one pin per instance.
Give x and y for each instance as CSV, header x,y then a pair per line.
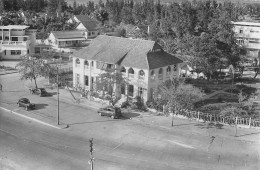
x,y
32,67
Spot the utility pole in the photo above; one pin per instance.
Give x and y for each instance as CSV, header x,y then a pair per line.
x,y
58,94
58,102
91,161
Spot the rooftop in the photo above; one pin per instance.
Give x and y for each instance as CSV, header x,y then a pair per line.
x,y
14,27
142,54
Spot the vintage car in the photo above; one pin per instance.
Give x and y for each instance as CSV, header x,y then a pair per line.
x,y
110,111
24,102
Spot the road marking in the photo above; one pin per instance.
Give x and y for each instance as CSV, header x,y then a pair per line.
x,y
28,117
181,144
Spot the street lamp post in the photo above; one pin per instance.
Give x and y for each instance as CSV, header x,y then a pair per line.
x,y
58,102
58,95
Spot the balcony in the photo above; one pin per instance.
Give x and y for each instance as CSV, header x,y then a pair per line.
x,y
24,43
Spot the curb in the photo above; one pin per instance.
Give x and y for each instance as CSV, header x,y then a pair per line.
x,y
62,126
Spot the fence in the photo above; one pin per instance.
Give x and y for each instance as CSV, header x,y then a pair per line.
x,y
220,119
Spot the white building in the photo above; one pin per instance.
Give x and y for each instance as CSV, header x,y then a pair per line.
x,y
15,41
142,62
248,35
63,39
88,26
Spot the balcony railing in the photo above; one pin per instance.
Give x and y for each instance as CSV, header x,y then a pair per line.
x,y
13,43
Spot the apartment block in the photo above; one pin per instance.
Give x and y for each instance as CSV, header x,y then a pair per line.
x,y
15,41
248,35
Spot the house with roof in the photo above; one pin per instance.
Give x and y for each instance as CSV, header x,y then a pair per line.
x,y
143,63
15,41
62,39
85,24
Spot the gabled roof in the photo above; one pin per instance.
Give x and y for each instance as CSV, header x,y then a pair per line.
x,y
161,59
67,34
89,23
127,52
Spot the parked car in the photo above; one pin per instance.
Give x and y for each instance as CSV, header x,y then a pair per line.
x,y
39,91
24,102
110,111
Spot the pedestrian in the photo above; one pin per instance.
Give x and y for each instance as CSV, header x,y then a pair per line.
x,y
1,87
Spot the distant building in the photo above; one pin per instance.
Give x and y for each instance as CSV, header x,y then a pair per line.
x,y
248,35
143,62
62,39
15,41
89,27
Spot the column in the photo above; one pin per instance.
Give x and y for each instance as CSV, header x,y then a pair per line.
x,y
9,34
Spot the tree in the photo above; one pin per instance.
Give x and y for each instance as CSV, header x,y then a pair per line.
x,y
31,67
176,95
107,80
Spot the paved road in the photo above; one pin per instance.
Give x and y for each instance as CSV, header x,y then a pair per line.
x,y
119,144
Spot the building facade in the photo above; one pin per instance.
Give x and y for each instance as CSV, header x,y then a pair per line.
x,y
248,35
64,39
15,41
142,63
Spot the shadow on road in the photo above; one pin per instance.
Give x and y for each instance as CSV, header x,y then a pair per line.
x,y
210,125
79,123
51,94
184,124
129,115
40,106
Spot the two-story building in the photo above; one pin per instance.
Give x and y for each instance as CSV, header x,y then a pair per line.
x,y
247,35
143,63
15,41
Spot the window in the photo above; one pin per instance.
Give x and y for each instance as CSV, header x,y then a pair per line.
x,y
86,63
37,50
123,70
1,38
152,74
15,52
141,74
86,81
131,73
240,31
7,38
168,70
77,62
110,66
92,63
241,42
131,90
160,73
174,67
14,38
140,91
122,88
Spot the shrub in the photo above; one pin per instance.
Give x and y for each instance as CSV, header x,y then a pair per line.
x,y
95,94
125,104
139,103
